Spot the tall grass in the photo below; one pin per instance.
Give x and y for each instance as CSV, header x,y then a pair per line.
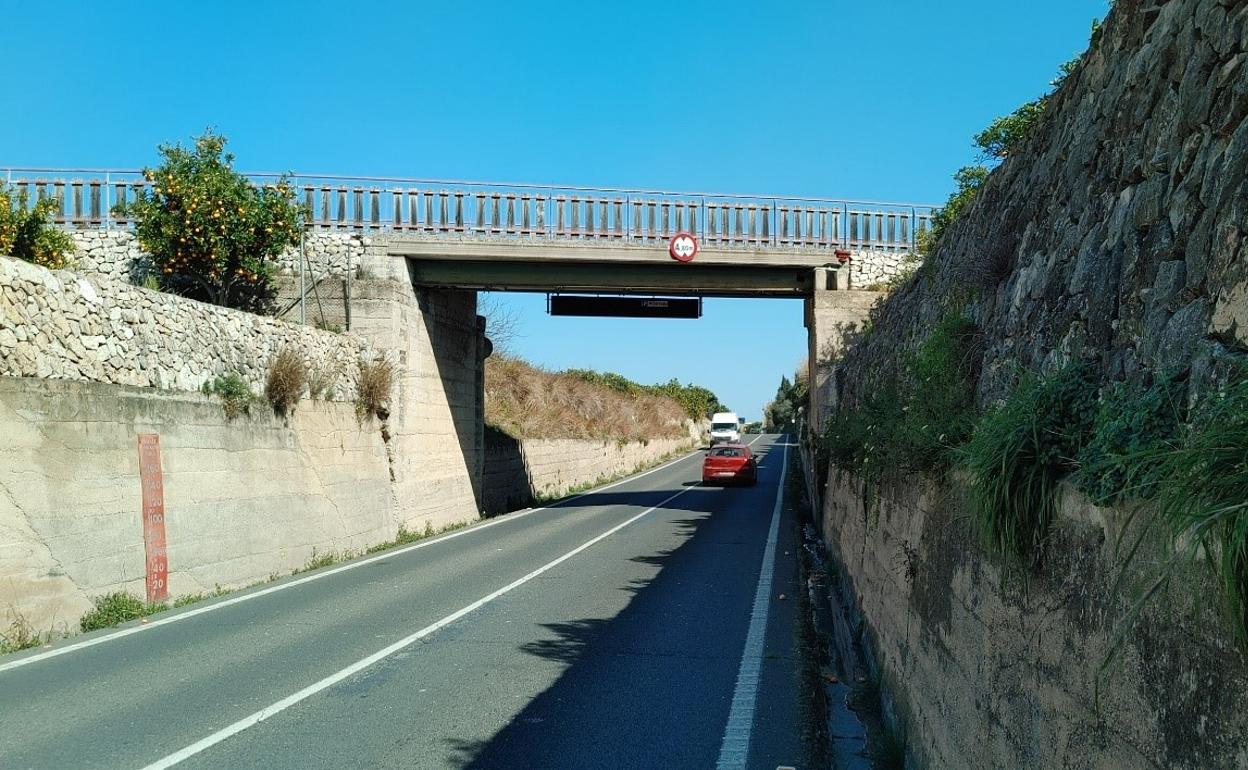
x,y
1203,496
1018,454
288,373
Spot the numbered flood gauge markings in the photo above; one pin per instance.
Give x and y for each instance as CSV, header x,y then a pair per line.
x,y
683,247
153,486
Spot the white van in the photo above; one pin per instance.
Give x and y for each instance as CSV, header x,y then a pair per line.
x,y
725,428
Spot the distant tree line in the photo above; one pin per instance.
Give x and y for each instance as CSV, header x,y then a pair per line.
x,y
698,402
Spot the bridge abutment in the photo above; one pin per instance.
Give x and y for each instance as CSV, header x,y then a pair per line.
x,y
833,314
434,430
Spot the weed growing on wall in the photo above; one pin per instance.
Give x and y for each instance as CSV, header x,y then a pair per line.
x,y
288,373
322,380
212,234
236,395
1019,452
27,232
376,381
940,402
1203,496
1134,425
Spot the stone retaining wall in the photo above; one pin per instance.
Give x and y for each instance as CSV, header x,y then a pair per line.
x,y
117,254
62,325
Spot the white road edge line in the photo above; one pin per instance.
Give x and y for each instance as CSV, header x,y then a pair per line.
x,y
735,749
325,573
307,692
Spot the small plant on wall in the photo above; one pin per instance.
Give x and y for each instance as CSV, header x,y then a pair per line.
x,y
212,234
376,381
26,231
288,373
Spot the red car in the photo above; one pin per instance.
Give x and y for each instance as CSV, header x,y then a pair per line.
x,y
729,464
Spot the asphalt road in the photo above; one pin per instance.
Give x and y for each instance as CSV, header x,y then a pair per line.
x,y
611,630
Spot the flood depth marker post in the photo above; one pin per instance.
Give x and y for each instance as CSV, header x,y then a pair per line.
x,y
152,483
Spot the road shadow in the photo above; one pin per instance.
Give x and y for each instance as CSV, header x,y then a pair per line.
x,y
650,685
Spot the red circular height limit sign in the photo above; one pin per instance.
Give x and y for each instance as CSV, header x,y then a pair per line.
x,y
683,247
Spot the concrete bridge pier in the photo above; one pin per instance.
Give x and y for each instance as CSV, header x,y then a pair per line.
x,y
833,314
435,429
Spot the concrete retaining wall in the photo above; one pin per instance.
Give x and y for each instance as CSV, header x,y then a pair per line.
x,y
244,498
518,471
985,672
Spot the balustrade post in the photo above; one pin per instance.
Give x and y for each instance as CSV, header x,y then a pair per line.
x,y
396,203
765,219
481,207
94,196
77,214
559,217
357,207
525,228
539,213
374,207
511,212
459,211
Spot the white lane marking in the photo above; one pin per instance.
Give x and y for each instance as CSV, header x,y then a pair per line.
x,y
360,665
735,749
323,573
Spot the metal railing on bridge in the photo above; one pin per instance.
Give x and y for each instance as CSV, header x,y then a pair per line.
x,y
88,197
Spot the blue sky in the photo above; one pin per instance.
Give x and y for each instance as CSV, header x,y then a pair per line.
x,y
836,99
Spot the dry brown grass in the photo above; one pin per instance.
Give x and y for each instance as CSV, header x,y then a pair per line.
x,y
528,402
375,385
322,380
288,373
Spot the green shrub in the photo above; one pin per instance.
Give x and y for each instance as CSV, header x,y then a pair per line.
x,y
1133,427
116,608
213,235
1019,452
1005,135
968,179
698,402
1203,496
236,395
28,233
940,402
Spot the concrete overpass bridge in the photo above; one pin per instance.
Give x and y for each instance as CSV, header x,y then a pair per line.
x,y
523,237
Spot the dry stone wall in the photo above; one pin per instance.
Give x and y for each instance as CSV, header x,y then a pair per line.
x,y
62,325
1116,232
117,254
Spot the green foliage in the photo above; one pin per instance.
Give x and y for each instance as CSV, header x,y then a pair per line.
x,y
1133,428
781,413
697,401
940,398
27,232
1203,496
211,233
116,608
236,395
1020,451
968,180
1005,135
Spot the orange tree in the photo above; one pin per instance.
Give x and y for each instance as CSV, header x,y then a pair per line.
x,y
25,231
212,234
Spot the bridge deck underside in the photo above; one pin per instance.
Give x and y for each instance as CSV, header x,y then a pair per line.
x,y
627,278
555,265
